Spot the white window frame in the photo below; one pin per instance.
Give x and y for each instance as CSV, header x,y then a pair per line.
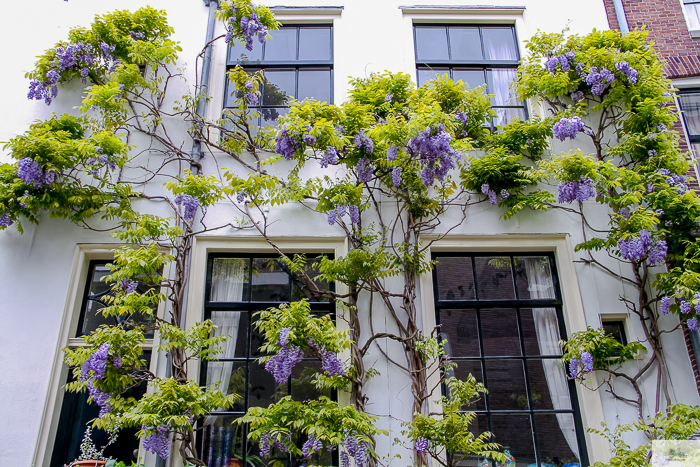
x,y
693,29
590,404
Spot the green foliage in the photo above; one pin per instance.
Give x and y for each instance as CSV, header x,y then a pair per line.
x,y
607,352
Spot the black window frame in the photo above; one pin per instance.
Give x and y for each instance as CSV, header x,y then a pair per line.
x,y
250,306
484,65
296,65
693,138
517,303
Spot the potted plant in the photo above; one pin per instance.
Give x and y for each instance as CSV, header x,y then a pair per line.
x,y
90,456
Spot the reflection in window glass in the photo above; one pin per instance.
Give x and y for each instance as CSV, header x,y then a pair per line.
x,y
690,105
425,75
315,44
472,78
281,45
314,83
431,43
499,44
278,87
465,44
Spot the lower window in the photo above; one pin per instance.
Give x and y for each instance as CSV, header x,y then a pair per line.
x,y
501,320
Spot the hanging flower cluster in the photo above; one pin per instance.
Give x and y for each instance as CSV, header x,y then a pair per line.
x,y
330,157
80,57
586,360
29,171
421,444
103,159
341,210
97,365
597,78
678,182
266,444
287,143
364,170
363,141
330,363
251,27
435,153
128,286
6,220
190,203
685,308
493,196
310,446
628,71
281,364
568,128
356,449
580,190
637,248
157,442
564,61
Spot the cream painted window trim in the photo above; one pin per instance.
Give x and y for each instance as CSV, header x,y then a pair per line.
x,y
205,245
589,401
691,31
84,253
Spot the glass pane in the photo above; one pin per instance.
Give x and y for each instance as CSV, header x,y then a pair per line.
x,y
322,458
499,332
235,325
455,277
616,329
431,43
494,278
533,277
93,319
463,369
690,104
478,426
465,44
506,385
256,340
232,376
693,12
425,74
269,116
540,331
229,280
471,78
499,83
282,45
549,388
514,434
301,290
278,87
238,52
270,281
315,44
231,96
222,441
459,329
302,386
556,438
263,390
508,115
499,44
98,286
316,84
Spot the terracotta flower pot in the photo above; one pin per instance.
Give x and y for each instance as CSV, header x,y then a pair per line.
x,y
234,463
88,464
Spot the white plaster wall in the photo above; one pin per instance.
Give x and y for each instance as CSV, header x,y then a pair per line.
x,y
369,36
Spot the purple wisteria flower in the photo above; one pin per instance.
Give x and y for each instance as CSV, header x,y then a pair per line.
x,y
392,152
628,71
587,360
665,304
190,203
287,143
265,445
251,28
685,307
354,214
421,444
332,215
581,190
568,128
563,60
252,98
330,157
344,459
573,367
157,442
29,171
636,248
240,197
363,141
396,176
330,363
281,364
505,194
364,170
5,220
577,96
435,154
388,97
96,363
693,323
310,446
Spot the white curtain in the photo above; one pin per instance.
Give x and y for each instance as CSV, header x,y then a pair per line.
x,y
541,286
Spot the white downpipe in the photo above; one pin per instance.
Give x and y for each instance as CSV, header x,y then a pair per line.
x,y
621,18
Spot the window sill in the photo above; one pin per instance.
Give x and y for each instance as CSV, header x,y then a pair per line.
x,y
694,32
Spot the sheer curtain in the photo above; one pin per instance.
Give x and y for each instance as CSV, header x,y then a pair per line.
x,y
541,286
228,278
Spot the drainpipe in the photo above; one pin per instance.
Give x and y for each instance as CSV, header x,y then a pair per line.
x,y
621,18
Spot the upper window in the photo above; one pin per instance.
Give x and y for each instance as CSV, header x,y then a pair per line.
x,y
297,62
237,287
501,320
689,100
692,12
476,55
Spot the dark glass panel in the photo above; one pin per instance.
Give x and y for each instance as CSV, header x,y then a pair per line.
x,y
616,329
508,115
256,340
427,74
494,278
282,45
455,277
459,329
533,277
303,388
235,325
301,290
263,388
230,280
465,43
315,44
279,87
499,44
499,83
556,438
232,377
499,332
238,52
315,83
549,388
431,43
270,115
540,331
690,104
98,286
270,281
461,371
478,426
322,458
514,433
223,441
94,319
471,78
505,380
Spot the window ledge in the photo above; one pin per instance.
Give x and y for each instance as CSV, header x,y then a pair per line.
x,y
694,32
75,342
306,10
461,9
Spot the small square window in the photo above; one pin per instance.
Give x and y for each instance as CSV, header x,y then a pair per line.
x,y
616,329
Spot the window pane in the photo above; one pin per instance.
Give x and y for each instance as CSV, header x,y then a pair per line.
x,y
229,280
431,43
499,332
507,115
270,281
278,87
499,44
465,368
693,12
93,319
316,84
505,380
494,278
459,329
465,44
282,45
616,329
533,277
300,289
514,433
238,52
455,277
231,376
471,78
269,116
478,425
499,82
303,387
222,441
315,44
549,387
235,325
425,74
256,340
540,331
690,104
98,286
263,390
556,437
322,458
